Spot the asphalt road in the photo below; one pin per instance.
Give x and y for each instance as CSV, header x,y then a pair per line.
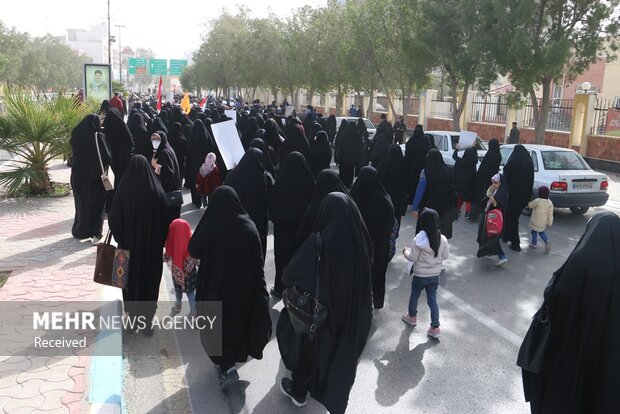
x,y
485,312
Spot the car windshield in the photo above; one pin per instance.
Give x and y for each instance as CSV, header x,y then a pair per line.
x,y
480,146
369,124
563,160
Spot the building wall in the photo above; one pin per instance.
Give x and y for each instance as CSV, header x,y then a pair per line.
x,y
434,124
611,83
595,74
555,138
487,131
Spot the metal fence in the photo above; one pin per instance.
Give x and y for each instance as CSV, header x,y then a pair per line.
x,y
441,109
600,116
560,114
491,110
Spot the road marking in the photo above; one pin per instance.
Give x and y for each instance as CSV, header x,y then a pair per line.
x,y
481,317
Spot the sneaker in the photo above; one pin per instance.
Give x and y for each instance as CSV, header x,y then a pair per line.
x,y
547,247
467,215
409,320
532,246
501,262
95,240
286,385
175,310
434,332
229,377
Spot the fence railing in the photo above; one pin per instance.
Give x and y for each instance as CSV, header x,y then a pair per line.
x,y
441,109
488,110
560,114
601,110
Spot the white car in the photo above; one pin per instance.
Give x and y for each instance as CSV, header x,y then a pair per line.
x,y
446,141
571,182
372,130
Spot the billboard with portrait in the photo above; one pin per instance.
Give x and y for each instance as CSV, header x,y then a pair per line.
x,y
97,81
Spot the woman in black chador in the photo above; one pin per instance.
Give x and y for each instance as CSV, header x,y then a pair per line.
x,y
198,146
416,149
120,141
89,195
465,175
378,212
349,148
253,185
391,171
267,161
231,271
140,135
295,141
321,155
178,142
325,364
487,169
166,167
292,193
327,181
579,371
519,175
139,223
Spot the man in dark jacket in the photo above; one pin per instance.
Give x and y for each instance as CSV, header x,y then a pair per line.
x,y
513,138
399,130
385,127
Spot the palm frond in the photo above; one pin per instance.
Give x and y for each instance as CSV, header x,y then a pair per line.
x,y
14,179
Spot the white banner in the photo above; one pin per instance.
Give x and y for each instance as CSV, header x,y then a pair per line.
x,y
467,139
231,113
228,142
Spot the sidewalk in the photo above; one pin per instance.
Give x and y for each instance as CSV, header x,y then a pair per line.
x,y
46,264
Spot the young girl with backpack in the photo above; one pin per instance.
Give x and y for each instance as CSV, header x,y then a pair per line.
x,y
491,225
428,250
182,266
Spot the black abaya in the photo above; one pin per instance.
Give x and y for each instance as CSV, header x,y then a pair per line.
x,y
580,367
178,142
295,141
292,193
349,147
141,138
326,365
169,174
439,191
120,142
231,271
487,169
267,161
465,172
253,185
380,147
391,171
139,222
378,212
519,175
89,195
490,246
416,149
321,155
198,146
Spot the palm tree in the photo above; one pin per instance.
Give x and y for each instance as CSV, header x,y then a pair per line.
x,y
36,132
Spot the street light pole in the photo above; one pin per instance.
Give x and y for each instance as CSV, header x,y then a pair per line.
x,y
109,38
120,54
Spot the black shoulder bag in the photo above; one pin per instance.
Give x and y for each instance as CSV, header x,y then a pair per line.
x,y
305,310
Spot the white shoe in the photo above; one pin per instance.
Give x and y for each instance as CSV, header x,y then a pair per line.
x,y
501,262
95,240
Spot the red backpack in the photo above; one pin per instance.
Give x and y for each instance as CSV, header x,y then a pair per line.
x,y
494,222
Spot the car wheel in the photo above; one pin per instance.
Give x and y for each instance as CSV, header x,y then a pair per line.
x,y
579,210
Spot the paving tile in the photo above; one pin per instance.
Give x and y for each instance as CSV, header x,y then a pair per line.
x,y
30,389
53,401
15,405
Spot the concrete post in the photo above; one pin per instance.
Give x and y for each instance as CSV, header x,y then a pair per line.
x,y
465,115
511,116
423,110
582,120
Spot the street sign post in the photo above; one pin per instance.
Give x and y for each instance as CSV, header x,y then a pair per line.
x,y
158,66
137,66
177,66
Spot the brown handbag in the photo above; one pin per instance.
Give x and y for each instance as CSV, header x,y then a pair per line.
x,y
104,262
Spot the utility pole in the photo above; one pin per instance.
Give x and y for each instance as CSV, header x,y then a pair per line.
x,y
120,54
109,39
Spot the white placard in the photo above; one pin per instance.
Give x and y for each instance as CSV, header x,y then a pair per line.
x,y
228,142
289,111
231,113
467,139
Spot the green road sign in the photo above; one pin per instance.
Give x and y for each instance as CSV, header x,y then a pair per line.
x,y
158,67
177,66
137,66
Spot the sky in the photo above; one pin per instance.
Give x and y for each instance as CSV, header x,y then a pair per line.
x,y
172,29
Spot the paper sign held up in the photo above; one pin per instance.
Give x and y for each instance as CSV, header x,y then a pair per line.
x,y
228,142
467,139
231,113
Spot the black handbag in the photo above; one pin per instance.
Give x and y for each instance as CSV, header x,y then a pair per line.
x,y
305,310
175,198
532,351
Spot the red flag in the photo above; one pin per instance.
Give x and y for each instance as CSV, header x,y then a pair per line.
x,y
159,94
203,103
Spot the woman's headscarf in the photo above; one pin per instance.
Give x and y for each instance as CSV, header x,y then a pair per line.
x,y
292,191
179,234
321,155
208,165
519,174
267,161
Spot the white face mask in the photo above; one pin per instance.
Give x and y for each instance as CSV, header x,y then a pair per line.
x,y
156,144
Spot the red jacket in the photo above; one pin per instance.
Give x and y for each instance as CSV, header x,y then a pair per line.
x,y
206,185
116,102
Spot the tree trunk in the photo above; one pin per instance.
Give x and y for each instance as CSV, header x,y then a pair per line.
x,y
339,101
457,109
391,104
543,115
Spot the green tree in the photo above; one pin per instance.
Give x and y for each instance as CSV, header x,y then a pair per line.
x,y
36,132
457,36
539,41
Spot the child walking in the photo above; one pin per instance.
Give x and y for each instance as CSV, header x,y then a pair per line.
x,y
182,265
428,250
208,179
542,216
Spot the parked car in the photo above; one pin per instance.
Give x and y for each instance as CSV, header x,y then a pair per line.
x,y
372,130
446,141
572,183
